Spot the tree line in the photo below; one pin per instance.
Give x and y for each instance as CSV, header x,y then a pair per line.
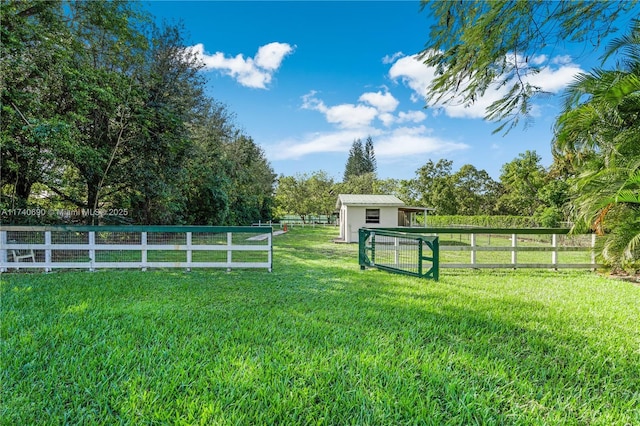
x,y
525,188
103,108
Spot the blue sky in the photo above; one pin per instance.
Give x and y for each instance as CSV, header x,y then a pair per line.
x,y
306,78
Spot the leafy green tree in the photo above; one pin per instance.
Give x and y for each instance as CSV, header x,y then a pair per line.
x,y
434,187
100,96
363,183
252,179
34,60
305,195
292,196
205,185
170,92
522,178
475,45
355,161
102,108
554,196
322,191
401,188
475,192
599,133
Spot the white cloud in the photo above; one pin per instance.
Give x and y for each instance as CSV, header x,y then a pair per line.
x,y
371,106
555,80
344,115
388,144
539,59
387,118
408,141
562,59
388,59
357,121
383,102
351,116
413,73
270,56
553,77
413,116
333,141
250,72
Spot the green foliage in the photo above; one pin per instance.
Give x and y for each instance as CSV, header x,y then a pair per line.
x,y
318,341
476,46
370,165
467,192
522,179
34,58
170,90
401,188
474,191
598,135
364,183
361,160
252,180
549,217
304,195
485,221
433,187
101,108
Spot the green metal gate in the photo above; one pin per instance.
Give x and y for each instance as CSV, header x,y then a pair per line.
x,y
399,252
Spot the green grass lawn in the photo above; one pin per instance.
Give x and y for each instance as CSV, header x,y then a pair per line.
x,y
318,341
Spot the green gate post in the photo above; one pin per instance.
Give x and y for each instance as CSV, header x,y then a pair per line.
x,y
363,259
420,258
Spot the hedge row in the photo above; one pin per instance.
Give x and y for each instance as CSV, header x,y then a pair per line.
x,y
483,221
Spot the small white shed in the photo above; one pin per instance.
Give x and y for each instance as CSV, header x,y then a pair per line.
x,y
372,211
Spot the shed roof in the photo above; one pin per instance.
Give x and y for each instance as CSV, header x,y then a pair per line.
x,y
368,200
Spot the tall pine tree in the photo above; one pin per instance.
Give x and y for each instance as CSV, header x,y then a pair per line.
x,y
361,159
369,157
354,162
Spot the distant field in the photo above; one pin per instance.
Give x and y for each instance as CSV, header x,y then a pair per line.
x,y
318,341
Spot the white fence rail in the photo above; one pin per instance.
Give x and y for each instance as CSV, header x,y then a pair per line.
x,y
96,247
491,248
517,250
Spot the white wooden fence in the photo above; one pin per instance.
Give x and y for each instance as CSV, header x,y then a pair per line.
x,y
479,248
95,247
516,249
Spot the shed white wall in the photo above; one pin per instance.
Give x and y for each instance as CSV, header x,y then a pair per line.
x,y
353,218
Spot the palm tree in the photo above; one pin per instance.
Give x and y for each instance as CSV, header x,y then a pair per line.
x,y
599,134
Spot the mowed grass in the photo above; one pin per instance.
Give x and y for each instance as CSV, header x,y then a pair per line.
x,y
318,341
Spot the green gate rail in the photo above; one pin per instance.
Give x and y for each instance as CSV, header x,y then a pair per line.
x,y
399,252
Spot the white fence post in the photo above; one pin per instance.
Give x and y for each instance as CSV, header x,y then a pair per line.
x,y
3,250
143,243
473,249
47,252
396,246
514,252
229,250
92,251
270,251
189,251
593,250
554,254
